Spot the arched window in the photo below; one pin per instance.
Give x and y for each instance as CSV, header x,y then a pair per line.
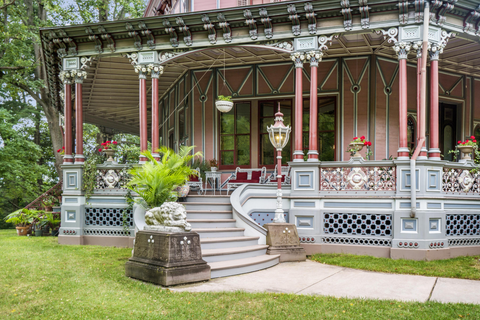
x,y
411,133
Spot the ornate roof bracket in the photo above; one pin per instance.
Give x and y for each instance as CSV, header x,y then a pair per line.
x,y
135,35
105,36
146,32
347,14
311,16
173,34
95,39
62,51
323,40
364,14
72,46
210,27
187,35
227,32
419,8
252,23
392,34
267,22
442,12
469,21
402,11
293,16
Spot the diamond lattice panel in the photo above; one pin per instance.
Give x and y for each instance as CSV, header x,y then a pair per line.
x,y
462,225
109,217
379,225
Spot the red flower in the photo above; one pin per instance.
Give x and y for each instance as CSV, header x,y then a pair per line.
x,y
365,143
463,142
369,143
63,148
105,148
104,144
355,138
459,142
59,150
107,141
473,137
474,140
100,150
362,138
114,142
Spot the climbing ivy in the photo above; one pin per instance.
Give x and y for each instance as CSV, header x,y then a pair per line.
x,y
90,173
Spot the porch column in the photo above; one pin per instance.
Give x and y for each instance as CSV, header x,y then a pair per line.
x,y
156,72
79,158
67,158
143,114
315,57
298,58
402,110
423,151
434,152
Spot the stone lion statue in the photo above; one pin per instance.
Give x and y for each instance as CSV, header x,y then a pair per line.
x,y
170,216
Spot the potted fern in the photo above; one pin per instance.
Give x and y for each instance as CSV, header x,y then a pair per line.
x,y
224,103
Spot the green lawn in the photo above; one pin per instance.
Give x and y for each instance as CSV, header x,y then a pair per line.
x,y
460,267
40,279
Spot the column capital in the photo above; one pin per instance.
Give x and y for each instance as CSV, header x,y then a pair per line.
x,y
298,58
79,75
66,77
402,49
434,55
314,57
156,70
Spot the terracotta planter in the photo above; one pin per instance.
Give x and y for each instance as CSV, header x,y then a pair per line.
x,y
357,146
110,154
465,150
23,231
224,106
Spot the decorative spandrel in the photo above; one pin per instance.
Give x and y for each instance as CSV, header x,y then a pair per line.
x,y
111,179
460,180
358,178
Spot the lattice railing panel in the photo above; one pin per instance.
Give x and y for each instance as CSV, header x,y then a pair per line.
x,y
358,178
357,241
464,242
462,225
377,225
460,180
107,217
107,232
111,179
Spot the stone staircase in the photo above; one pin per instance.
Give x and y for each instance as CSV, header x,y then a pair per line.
x,y
224,246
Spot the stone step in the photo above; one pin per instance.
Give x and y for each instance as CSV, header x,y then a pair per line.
x,y
212,223
219,232
206,214
207,206
215,255
239,266
227,242
208,198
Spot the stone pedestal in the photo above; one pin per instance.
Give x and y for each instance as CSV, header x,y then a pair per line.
x,y
282,239
167,258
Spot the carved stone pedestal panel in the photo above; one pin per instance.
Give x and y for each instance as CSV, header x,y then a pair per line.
x,y
167,258
282,239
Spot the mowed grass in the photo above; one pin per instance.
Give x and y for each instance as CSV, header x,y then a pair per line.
x,y
460,267
40,279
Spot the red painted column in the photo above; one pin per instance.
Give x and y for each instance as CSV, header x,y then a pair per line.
x,y
402,110
67,158
298,151
143,115
434,152
79,158
156,72
423,152
313,134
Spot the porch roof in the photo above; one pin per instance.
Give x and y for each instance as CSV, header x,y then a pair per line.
x,y
111,88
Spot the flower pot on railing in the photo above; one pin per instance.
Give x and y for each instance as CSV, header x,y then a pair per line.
x,y
110,153
465,150
357,146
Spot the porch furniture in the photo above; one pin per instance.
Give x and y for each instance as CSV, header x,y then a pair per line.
x,y
195,181
214,179
286,170
242,176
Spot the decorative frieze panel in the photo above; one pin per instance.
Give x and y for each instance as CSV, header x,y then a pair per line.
x,y
107,232
377,225
358,178
111,179
107,217
357,241
464,242
457,225
460,180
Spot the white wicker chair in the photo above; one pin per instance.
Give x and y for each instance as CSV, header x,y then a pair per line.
x,y
196,183
235,180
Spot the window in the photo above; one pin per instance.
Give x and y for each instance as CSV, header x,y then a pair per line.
x,y
267,111
235,136
326,128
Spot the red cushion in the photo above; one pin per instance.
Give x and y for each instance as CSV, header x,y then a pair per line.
x,y
241,181
256,176
242,175
193,178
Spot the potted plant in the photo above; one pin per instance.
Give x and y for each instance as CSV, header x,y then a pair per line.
x,y
357,144
61,151
40,223
465,147
23,219
52,222
213,165
48,203
155,182
224,103
109,148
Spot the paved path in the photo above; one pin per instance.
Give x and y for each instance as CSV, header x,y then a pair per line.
x,y
315,278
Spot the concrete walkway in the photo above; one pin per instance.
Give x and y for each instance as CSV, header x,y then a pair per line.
x,y
320,279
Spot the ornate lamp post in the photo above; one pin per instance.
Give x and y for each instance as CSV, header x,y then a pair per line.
x,y
279,135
